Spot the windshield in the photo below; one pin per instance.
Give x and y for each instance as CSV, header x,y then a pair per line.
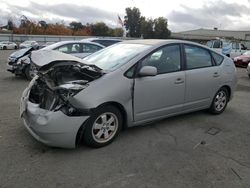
x,y
112,57
247,53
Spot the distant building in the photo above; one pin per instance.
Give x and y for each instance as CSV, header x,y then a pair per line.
x,y
204,35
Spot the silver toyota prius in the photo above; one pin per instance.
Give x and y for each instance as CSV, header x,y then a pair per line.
x,y
127,84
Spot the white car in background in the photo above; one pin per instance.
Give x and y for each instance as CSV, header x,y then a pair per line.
x,y
7,45
29,43
79,49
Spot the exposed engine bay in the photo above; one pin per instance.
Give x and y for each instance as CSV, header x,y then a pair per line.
x,y
54,85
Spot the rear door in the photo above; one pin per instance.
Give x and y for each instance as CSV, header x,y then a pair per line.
x,y
202,77
163,94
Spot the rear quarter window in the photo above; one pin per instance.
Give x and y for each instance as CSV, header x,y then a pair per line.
x,y
217,58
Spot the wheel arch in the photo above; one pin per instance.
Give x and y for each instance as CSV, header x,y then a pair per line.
x,y
120,108
113,103
228,90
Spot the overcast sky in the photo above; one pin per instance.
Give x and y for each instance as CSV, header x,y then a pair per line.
x,y
182,15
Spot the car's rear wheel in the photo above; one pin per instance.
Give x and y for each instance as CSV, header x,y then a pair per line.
x,y
103,126
220,101
4,48
15,47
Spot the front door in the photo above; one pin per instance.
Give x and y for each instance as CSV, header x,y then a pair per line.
x,y
163,94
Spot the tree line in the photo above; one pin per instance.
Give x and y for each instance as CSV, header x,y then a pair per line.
x,y
140,26
136,26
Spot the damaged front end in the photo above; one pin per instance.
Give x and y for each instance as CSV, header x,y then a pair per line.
x,y
45,108
54,87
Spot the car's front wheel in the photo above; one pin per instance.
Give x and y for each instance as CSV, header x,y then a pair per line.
x,y
220,101
103,126
30,72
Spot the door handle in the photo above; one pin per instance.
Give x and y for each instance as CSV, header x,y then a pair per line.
x,y
179,81
216,74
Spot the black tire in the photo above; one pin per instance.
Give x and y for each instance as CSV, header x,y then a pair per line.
x,y
89,131
15,47
4,48
219,105
27,72
249,75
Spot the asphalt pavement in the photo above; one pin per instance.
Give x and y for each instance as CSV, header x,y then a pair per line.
x,y
193,150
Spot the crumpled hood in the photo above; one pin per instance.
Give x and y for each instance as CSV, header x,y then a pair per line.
x,y
47,58
21,52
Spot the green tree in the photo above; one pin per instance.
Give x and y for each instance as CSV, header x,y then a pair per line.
x,y
161,28
147,28
116,32
99,29
75,26
10,24
132,22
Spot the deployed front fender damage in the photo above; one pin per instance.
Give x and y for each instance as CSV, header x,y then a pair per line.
x,y
48,115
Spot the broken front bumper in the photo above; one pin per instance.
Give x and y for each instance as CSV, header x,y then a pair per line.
x,y
52,128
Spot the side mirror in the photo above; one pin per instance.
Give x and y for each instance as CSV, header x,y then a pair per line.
x,y
148,71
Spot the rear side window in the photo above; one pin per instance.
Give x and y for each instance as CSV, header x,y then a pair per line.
x,y
197,57
90,48
217,58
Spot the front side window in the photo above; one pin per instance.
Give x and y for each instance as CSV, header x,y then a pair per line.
x,y
166,59
197,57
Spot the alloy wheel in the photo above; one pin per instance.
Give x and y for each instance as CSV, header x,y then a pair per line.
x,y
220,100
105,127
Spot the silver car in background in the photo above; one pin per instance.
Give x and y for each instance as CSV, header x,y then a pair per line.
x,y
127,84
29,44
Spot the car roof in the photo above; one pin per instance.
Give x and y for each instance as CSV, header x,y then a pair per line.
x,y
159,42
101,39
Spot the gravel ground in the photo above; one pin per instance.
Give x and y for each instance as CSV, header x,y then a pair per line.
x,y
163,154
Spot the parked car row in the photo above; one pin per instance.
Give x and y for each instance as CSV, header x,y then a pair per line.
x,y
7,45
127,84
233,49
19,61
